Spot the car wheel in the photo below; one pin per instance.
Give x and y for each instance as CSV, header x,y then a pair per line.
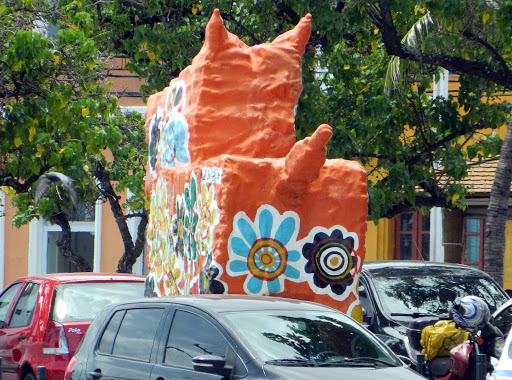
x,y
29,376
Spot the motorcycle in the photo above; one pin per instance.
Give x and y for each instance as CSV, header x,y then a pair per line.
x,y
469,359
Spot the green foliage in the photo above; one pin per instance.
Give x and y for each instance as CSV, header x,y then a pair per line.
x,y
57,113
415,147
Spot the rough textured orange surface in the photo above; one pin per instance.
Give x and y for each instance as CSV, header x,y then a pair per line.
x,y
237,205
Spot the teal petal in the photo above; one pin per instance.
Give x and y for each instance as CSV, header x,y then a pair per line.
x,y
293,256
285,231
238,266
239,247
247,231
291,272
254,285
265,223
274,286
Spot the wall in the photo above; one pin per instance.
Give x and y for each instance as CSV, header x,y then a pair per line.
x,y
16,247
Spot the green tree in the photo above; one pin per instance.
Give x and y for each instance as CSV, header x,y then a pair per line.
x,y
472,39
57,115
415,147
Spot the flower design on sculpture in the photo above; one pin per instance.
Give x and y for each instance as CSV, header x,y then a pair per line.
x,y
175,141
264,250
178,226
154,139
175,101
191,218
331,259
158,234
208,218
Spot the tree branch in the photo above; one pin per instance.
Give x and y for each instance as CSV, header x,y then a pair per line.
x,y
383,19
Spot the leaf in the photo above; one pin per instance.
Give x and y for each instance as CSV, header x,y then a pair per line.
x,y
85,112
485,17
31,133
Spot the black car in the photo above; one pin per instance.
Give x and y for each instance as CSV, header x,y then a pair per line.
x,y
230,337
400,298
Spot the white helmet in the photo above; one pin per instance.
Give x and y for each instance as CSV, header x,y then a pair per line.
x,y
471,313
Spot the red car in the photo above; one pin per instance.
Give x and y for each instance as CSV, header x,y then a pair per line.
x,y
43,318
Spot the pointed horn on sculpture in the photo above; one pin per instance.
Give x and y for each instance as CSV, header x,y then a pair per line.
x,y
298,36
216,34
303,164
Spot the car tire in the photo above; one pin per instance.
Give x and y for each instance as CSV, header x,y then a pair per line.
x,y
29,376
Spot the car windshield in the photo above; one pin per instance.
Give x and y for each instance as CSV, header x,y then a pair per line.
x,y
309,338
414,296
81,302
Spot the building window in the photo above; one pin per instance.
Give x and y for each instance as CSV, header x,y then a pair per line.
x,y
413,236
81,221
44,255
474,230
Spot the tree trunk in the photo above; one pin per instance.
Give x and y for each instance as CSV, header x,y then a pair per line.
x,y
131,251
64,244
494,244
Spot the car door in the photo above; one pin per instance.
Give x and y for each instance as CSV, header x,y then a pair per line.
x,y
18,330
190,334
7,300
125,348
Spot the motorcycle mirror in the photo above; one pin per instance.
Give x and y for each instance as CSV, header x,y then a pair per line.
x,y
447,294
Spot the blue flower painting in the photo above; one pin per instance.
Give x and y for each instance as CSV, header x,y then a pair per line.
x,y
265,251
175,141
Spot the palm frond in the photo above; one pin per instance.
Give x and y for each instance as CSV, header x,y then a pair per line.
x,y
413,38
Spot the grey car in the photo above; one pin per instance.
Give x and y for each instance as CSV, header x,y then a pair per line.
x,y
230,337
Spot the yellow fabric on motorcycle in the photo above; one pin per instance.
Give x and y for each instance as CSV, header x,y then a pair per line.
x,y
439,338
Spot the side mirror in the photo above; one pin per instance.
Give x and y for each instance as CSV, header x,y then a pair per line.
x,y
367,318
211,364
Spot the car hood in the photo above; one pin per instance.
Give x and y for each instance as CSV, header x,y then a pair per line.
x,y
334,373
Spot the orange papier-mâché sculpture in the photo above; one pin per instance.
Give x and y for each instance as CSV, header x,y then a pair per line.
x,y
237,205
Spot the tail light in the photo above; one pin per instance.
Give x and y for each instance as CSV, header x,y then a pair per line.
x,y
54,341
69,368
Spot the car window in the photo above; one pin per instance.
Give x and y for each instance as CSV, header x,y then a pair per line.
x,y
6,300
191,336
25,306
404,295
137,333
107,339
81,302
503,321
366,303
309,336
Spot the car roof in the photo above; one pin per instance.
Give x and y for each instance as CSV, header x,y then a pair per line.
x,y
83,277
415,267
221,303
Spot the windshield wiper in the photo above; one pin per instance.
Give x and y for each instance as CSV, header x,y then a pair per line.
x,y
292,362
414,315
359,362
